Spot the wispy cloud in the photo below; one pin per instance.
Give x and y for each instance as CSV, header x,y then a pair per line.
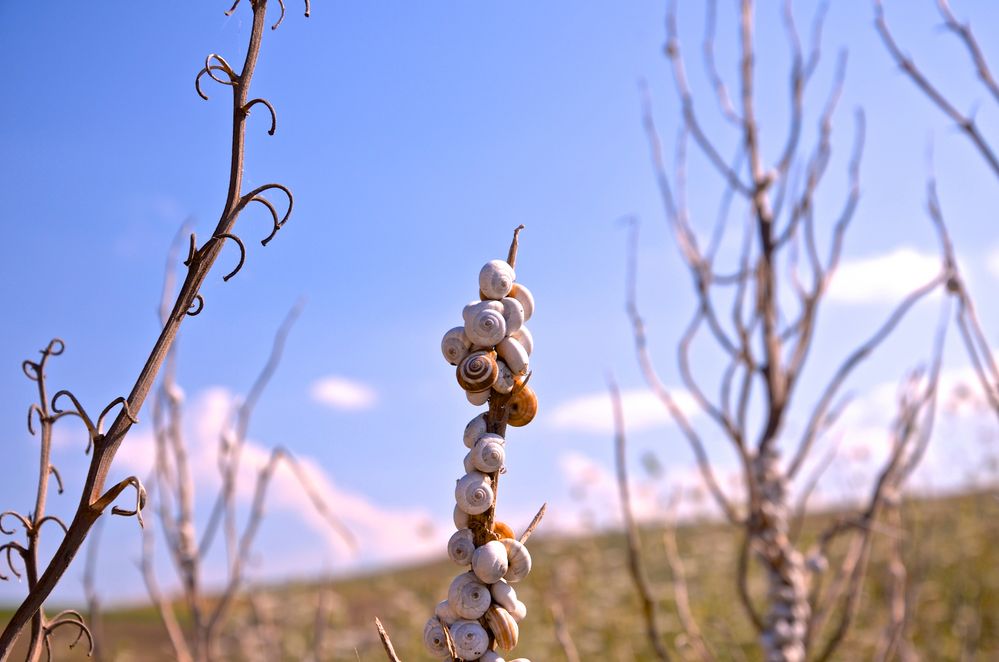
x,y
342,393
883,278
643,410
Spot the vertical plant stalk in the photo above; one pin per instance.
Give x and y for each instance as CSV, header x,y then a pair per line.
x,y
94,499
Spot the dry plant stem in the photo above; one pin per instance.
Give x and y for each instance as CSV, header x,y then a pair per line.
x,y
635,564
680,592
200,263
386,642
95,616
562,634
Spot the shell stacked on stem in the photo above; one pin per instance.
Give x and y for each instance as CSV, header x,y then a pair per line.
x,y
491,351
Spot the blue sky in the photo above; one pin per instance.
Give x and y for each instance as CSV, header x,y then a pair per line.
x,y
415,137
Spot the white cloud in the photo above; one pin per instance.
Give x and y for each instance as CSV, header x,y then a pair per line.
x,y
643,410
342,393
883,278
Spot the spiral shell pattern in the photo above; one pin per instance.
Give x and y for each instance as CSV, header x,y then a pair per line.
x,y
461,546
468,597
474,493
496,279
471,640
488,455
523,407
486,328
455,345
435,640
477,372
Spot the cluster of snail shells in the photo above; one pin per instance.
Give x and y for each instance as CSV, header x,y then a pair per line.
x,y
492,350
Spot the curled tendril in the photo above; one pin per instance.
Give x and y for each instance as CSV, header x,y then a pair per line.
x,y
55,474
52,518
25,522
9,547
114,403
193,310
242,253
55,347
35,370
255,196
192,250
41,417
73,618
265,102
79,412
233,8
308,11
112,494
223,66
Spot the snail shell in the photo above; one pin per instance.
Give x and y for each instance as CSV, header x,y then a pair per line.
x,y
455,345
435,640
475,429
524,337
519,611
474,493
444,612
513,314
503,529
472,309
486,327
519,560
504,595
471,640
468,597
477,372
469,465
477,399
505,381
514,354
503,626
491,656
488,454
526,299
489,562
523,407
461,546
496,279
460,518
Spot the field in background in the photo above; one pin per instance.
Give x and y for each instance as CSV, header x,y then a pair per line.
x,y
952,554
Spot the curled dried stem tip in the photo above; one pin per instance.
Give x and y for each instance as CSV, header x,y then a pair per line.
x,y
112,494
9,547
512,256
534,523
386,642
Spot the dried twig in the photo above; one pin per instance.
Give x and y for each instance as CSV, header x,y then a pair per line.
x,y
386,642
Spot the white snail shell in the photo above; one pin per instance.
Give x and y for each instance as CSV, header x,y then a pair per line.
x,y
514,354
491,656
519,559
468,597
489,562
474,493
488,454
504,595
513,314
460,518
505,380
486,327
444,612
503,626
468,464
473,308
524,337
475,429
434,639
461,546
519,611
496,279
455,345
471,640
526,299
478,398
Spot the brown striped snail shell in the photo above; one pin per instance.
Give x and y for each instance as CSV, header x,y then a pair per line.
x,y
513,314
524,337
468,597
435,640
506,380
488,455
514,355
477,372
475,429
489,562
503,530
519,560
474,493
471,641
526,299
444,612
496,279
504,627
461,546
477,399
522,408
455,345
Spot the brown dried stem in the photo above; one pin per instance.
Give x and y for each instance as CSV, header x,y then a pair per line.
x,y
386,642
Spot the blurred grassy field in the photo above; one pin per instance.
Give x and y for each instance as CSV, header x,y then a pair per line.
x,y
952,555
